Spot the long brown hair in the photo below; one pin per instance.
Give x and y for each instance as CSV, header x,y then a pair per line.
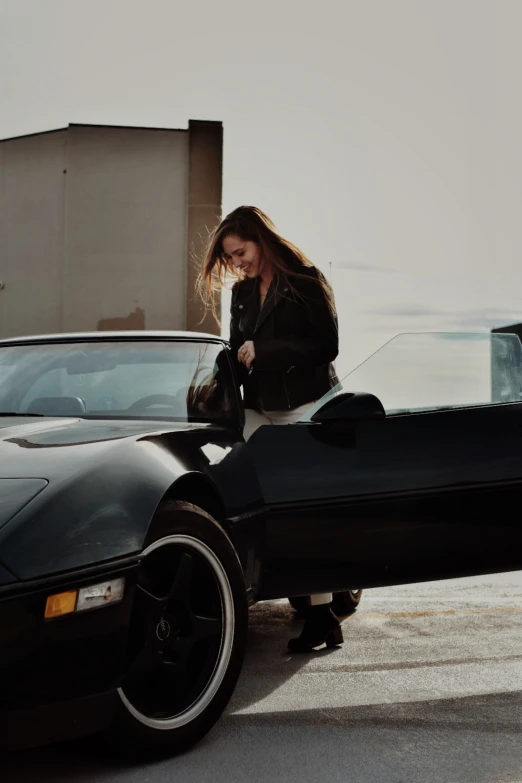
x,y
252,225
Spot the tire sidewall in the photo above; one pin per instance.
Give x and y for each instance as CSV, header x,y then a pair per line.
x,y
130,735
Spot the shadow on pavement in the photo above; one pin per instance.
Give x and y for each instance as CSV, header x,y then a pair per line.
x,y
473,739
498,713
268,664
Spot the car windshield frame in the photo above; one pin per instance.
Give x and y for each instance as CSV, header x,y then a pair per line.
x,y
203,399
446,371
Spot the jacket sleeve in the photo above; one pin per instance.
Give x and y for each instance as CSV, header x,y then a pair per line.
x,y
319,345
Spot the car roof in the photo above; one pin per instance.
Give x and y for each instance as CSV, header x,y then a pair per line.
x,y
143,334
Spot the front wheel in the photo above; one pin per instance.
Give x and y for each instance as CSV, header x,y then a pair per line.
x,y
343,604
186,638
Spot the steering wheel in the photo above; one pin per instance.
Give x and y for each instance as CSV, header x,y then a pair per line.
x,y
143,403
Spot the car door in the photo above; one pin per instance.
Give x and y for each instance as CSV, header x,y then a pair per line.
x,y
420,494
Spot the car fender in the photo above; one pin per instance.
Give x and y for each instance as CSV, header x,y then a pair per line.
x,y
99,512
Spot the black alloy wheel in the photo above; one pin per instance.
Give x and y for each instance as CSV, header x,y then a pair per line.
x,y
186,638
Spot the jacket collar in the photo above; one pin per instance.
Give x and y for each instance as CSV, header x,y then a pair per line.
x,y
248,301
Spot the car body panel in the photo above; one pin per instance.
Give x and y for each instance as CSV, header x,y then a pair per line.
x,y
105,481
60,676
16,493
70,656
402,499
56,721
6,577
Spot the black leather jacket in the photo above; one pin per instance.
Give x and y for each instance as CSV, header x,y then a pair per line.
x,y
295,339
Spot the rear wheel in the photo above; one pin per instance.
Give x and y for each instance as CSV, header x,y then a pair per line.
x,y
346,603
343,604
186,638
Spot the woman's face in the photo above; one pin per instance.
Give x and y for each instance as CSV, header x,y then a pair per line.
x,y
243,255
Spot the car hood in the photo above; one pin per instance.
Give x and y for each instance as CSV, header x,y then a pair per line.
x,y
49,447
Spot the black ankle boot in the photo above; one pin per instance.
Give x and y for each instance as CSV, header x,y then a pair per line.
x,y
321,626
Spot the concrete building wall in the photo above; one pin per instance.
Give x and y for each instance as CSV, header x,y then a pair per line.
x,y
32,233
102,225
126,229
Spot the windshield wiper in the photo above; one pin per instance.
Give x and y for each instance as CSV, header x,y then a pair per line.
x,y
8,414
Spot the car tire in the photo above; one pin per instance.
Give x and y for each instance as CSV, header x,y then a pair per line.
x,y
343,604
346,603
187,635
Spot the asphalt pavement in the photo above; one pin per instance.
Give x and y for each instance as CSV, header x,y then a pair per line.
x,y
426,689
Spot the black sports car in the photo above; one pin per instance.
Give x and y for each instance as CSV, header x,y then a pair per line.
x,y
136,524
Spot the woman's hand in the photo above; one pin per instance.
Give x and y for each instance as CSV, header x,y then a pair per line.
x,y
247,354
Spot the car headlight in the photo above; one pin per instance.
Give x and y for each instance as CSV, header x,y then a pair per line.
x,y
84,598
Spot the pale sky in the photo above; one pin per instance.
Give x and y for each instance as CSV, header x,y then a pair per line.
x,y
383,137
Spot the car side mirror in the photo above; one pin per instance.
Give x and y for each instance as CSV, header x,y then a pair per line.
x,y
350,407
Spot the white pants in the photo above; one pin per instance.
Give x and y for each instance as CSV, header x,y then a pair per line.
x,y
253,420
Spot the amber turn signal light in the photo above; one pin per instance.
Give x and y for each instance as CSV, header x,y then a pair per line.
x,y
61,603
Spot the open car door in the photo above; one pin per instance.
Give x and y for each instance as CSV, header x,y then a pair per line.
x,y
414,485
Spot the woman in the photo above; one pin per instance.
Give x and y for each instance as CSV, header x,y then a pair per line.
x,y
283,331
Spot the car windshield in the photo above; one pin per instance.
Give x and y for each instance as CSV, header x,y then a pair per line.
x,y
171,379
438,371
